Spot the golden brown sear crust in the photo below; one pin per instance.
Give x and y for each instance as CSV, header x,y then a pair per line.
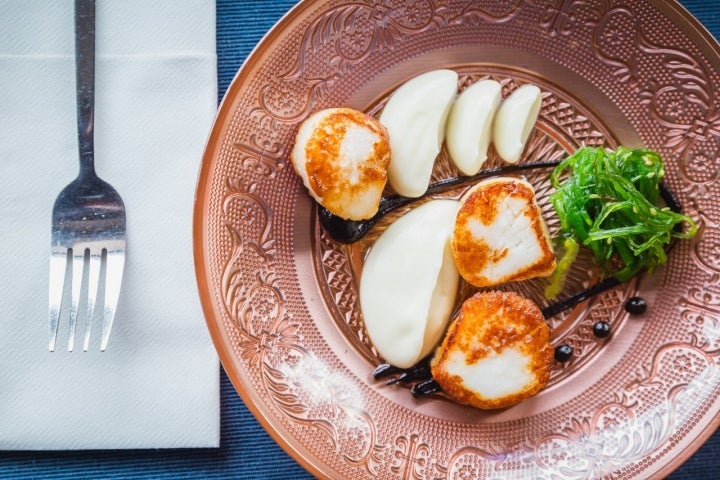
x,y
488,324
476,256
346,184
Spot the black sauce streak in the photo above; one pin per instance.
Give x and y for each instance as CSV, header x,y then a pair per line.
x,y
350,231
579,297
426,387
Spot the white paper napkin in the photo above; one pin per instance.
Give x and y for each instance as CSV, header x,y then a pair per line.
x,y
156,386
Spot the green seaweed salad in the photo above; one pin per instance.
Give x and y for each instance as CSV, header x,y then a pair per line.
x,y
609,201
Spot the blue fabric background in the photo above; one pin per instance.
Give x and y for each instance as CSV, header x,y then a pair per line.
x,y
247,451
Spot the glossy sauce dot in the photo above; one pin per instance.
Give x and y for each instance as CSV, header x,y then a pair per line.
x,y
563,352
385,370
635,305
601,329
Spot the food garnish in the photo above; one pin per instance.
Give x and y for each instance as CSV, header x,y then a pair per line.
x,y
635,305
608,201
601,329
563,353
570,249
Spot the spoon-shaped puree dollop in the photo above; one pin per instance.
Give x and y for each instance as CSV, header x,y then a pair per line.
x,y
415,117
469,125
409,282
515,120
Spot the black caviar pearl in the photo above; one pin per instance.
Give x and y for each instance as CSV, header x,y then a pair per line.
x,y
563,352
635,306
601,329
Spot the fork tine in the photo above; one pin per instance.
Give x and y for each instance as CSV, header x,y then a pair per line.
x,y
93,282
114,266
78,264
58,264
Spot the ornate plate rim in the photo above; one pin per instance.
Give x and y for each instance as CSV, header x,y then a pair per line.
x,y
231,364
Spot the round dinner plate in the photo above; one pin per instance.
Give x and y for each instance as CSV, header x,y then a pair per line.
x,y
281,297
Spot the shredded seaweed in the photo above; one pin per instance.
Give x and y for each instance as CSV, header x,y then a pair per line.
x,y
608,201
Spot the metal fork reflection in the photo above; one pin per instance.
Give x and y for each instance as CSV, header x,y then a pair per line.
x,y
88,218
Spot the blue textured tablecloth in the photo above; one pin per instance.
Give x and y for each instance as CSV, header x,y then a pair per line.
x,y
247,451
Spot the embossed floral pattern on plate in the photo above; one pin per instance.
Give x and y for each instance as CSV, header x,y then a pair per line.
x,y
281,298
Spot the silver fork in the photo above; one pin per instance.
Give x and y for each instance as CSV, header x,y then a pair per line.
x,y
88,218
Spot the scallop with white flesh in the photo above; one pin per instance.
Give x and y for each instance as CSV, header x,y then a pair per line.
x,y
515,120
342,156
469,126
500,234
496,352
415,117
409,282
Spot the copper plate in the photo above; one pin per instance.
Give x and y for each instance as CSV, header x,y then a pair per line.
x,y
281,298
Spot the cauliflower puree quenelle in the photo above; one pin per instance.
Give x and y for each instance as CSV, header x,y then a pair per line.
x,y
409,283
515,120
469,126
415,117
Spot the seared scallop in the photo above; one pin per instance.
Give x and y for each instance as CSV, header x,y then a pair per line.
x,y
342,156
500,235
496,352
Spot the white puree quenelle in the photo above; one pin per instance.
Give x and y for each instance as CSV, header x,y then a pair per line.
x,y
469,125
514,121
409,283
415,117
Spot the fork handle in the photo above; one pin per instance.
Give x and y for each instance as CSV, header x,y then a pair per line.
x,y
85,82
